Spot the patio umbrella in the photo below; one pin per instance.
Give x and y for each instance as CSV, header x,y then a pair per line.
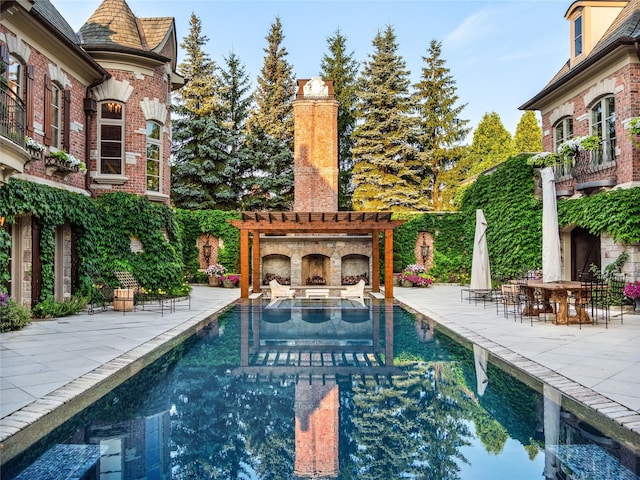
x,y
551,271
480,271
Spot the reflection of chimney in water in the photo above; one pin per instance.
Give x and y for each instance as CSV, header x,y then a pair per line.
x,y
317,429
315,113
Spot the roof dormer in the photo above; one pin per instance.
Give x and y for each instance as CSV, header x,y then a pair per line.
x,y
589,20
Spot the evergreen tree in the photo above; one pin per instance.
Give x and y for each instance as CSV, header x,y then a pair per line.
x,y
270,131
200,177
441,129
342,68
235,104
276,89
386,170
528,137
490,146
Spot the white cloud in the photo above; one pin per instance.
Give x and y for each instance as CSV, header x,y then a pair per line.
x,y
476,26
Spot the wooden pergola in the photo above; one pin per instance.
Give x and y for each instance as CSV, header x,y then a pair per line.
x,y
282,223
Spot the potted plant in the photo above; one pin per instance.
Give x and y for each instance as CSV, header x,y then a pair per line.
x,y
632,291
229,280
214,272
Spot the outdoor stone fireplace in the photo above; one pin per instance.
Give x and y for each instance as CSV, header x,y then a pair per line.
x,y
315,243
312,260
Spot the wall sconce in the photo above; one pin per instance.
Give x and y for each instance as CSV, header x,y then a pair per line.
x,y
424,251
206,251
2,219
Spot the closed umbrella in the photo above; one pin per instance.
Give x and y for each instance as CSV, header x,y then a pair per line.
x,y
551,268
481,357
480,271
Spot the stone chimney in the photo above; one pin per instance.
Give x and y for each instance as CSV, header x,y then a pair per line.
x,y
315,147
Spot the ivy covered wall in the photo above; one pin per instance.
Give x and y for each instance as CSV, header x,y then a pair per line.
x,y
514,223
194,223
104,230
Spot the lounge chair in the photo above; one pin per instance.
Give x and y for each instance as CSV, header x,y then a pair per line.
x,y
354,292
280,291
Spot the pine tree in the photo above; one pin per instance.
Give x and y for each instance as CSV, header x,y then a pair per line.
x,y
342,68
528,137
235,104
270,131
386,170
441,129
276,89
200,177
491,144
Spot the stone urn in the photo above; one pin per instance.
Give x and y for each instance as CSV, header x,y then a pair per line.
x,y
407,283
228,284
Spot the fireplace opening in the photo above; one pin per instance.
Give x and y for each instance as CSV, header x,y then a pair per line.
x,y
316,269
278,267
354,268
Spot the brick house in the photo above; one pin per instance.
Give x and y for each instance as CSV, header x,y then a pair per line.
x,y
101,95
595,93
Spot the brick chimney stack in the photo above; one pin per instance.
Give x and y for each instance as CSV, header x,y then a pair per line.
x,y
315,147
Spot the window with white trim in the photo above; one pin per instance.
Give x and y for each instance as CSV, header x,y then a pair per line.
x,y
111,138
56,116
154,155
603,125
562,131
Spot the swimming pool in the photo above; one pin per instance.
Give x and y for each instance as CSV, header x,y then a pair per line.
x,y
325,389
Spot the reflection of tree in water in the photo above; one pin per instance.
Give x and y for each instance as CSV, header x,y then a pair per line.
x,y
414,428
223,427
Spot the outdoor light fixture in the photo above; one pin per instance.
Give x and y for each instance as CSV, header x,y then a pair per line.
x,y
206,251
2,221
424,250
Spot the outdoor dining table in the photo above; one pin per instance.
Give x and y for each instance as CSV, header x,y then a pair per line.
x,y
558,292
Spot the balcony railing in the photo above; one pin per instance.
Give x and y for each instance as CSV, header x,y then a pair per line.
x,y
12,117
595,169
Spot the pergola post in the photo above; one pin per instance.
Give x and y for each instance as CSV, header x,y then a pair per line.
x,y
244,263
375,261
255,268
388,263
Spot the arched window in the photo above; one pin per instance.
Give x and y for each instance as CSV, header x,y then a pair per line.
x,y
111,138
154,156
603,124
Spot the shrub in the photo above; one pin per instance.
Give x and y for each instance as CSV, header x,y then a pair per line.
x,y
13,316
50,308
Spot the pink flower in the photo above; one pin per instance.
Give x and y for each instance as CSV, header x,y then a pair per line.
x,y
632,290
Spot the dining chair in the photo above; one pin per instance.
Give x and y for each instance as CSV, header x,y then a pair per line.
x,y
615,292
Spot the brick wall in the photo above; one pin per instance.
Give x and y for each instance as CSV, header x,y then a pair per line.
x,y
316,155
624,85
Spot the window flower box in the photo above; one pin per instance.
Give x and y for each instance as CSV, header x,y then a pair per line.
x,y
63,162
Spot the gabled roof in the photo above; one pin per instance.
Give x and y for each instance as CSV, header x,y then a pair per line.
x,y
113,23
624,30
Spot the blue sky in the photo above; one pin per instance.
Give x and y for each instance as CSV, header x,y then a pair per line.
x,y
501,53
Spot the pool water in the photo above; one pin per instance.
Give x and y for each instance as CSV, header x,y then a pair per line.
x,y
324,390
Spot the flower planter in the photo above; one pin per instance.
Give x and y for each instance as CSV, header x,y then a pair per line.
x,y
407,283
228,284
53,164
214,281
